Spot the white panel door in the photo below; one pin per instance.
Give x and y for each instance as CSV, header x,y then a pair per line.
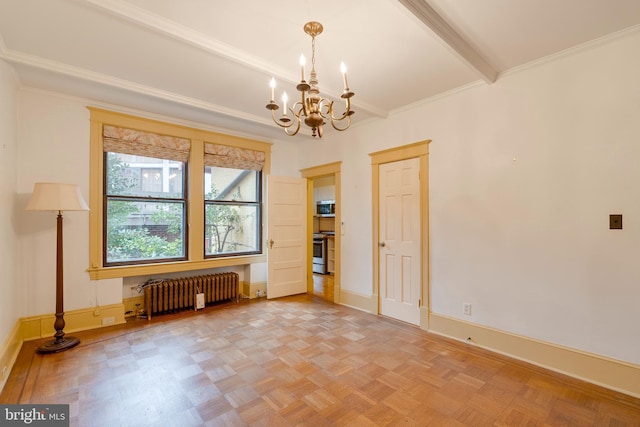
x,y
287,236
399,246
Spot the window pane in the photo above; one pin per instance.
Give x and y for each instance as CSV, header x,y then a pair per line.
x,y
230,184
139,176
231,229
141,230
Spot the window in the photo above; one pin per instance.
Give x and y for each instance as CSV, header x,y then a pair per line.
x,y
232,211
169,198
145,209
232,200
145,201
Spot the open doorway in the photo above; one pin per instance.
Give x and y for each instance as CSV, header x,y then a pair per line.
x,y
323,197
323,235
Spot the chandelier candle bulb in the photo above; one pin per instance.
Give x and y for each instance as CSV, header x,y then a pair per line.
x,y
302,63
343,70
284,102
272,84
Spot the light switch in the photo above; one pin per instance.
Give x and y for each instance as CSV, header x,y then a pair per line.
x,y
615,222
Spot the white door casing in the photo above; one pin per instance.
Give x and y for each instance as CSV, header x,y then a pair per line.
x,y
399,240
286,236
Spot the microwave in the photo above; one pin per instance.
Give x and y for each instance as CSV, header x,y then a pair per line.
x,y
326,208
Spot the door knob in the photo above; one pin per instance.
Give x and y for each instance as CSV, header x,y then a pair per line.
x,y
270,243
382,244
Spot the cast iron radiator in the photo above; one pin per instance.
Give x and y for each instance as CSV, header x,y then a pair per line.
x,y
169,295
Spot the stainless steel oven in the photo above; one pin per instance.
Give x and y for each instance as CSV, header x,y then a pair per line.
x,y
319,253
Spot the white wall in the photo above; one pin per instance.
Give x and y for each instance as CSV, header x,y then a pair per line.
x,y
523,176
53,135
11,293
284,158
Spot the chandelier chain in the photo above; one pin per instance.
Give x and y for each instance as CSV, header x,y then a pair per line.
x,y
313,52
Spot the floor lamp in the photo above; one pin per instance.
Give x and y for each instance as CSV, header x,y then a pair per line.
x,y
48,196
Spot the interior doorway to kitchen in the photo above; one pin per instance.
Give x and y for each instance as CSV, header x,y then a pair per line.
x,y
323,198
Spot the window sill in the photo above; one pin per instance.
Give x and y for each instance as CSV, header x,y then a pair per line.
x,y
98,273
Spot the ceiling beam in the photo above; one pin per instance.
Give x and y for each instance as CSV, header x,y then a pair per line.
x,y
425,13
143,18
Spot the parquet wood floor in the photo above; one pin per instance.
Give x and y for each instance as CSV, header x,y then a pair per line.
x,y
323,285
299,361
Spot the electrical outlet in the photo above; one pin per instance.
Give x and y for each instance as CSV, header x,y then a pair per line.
x,y
466,309
108,320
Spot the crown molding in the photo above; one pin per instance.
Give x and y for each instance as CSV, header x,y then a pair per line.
x,y
627,32
110,81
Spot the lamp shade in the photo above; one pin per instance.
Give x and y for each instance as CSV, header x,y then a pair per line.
x,y
53,196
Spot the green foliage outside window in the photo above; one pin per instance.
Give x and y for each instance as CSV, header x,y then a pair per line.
x,y
221,222
127,241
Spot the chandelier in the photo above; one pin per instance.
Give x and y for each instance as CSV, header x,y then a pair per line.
x,y
312,108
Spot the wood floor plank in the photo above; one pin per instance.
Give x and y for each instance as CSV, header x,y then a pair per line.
x,y
299,361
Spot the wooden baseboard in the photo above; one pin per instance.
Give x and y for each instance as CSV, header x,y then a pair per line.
x,y
41,326
606,372
368,303
9,353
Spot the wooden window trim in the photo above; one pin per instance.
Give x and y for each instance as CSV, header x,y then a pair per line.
x,y
195,221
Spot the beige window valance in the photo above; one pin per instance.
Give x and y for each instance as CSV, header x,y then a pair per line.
x,y
233,157
139,143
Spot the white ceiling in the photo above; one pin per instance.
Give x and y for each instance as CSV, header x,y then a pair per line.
x,y
210,61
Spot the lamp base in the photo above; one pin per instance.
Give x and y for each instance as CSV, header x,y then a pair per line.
x,y
55,346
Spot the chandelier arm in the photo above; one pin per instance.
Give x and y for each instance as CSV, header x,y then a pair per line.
x,y
347,112
334,121
326,104
340,118
286,129
283,124
300,110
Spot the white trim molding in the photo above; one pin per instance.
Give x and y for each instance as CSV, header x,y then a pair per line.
x,y
613,374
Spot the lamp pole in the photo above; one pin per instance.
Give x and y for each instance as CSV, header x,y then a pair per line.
x,y
60,343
